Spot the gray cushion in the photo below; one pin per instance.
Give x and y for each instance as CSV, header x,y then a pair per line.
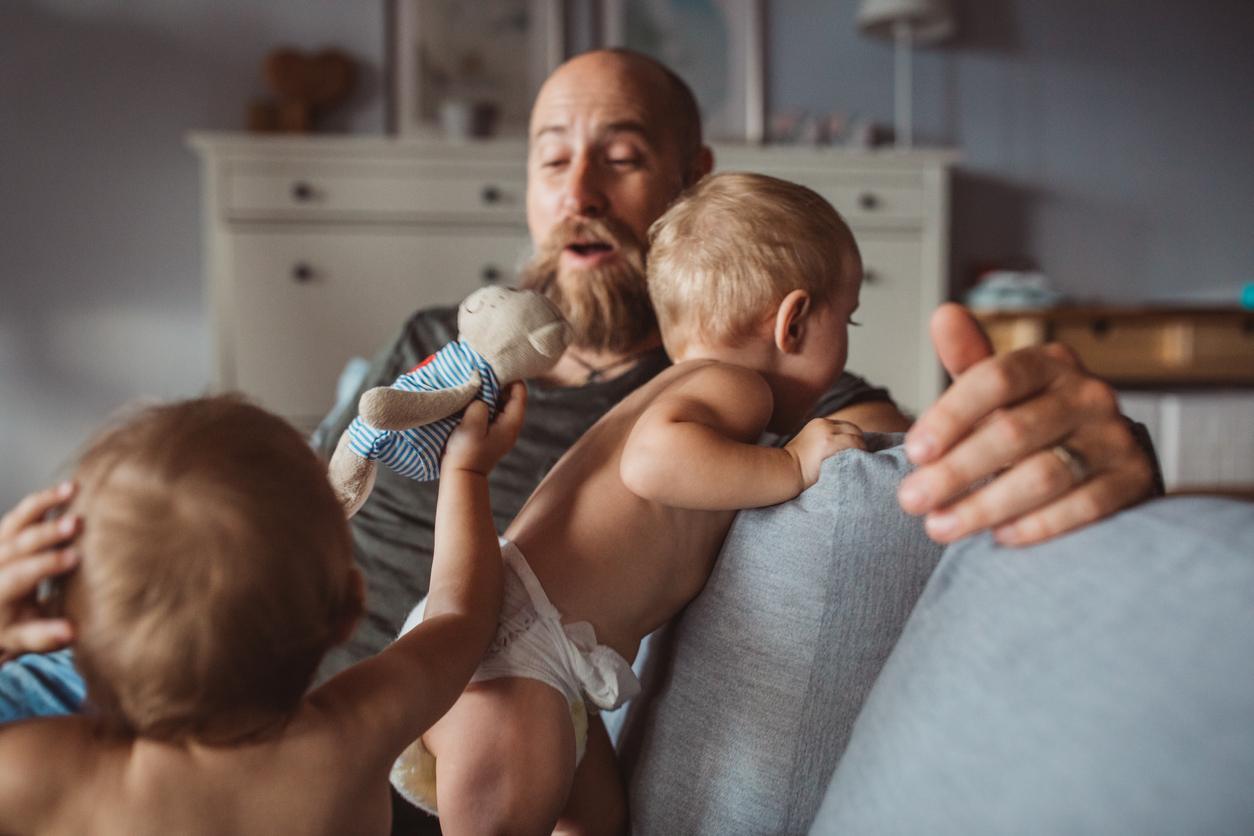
x,y
748,705
1099,683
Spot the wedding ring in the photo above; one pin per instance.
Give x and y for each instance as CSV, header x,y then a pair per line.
x,y
1075,462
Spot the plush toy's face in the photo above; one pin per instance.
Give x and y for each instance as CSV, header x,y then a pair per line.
x,y
520,333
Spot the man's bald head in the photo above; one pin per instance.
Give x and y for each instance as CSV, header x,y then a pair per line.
x,y
675,99
646,82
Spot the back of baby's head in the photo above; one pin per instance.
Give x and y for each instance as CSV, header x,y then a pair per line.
x,y
731,248
217,570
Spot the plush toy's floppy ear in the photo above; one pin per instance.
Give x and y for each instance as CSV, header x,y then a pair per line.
x,y
550,340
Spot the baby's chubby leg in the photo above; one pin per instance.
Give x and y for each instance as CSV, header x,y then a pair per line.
x,y
505,758
598,800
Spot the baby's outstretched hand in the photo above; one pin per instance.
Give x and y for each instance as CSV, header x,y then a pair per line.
x,y
818,440
477,444
32,549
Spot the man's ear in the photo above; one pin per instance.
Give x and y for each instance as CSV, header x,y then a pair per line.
x,y
702,164
791,318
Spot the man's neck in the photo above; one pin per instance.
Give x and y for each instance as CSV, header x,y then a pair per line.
x,y
581,366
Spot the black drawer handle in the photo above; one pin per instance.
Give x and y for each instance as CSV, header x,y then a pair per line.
x,y
870,276
302,192
490,274
491,195
302,273
869,201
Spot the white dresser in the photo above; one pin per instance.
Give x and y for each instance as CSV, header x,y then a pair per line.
x,y
318,248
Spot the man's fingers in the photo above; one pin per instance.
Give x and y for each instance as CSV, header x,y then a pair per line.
x,y
1094,500
1044,484
33,507
989,385
1004,438
1032,483
959,340
41,636
19,579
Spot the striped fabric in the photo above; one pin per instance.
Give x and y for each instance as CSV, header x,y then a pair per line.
x,y
416,452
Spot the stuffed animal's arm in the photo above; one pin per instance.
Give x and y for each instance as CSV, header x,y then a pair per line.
x,y
385,408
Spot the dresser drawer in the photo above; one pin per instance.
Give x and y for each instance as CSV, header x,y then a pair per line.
x,y
889,347
861,204
482,196
302,303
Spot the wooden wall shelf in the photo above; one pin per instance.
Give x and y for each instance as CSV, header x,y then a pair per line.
x,y
1139,346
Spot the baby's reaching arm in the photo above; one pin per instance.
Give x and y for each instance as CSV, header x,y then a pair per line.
x,y
695,446
391,699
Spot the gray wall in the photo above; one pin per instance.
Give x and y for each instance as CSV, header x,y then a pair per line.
x,y
100,281
1109,142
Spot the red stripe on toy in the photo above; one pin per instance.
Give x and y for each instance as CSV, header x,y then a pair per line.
x,y
420,365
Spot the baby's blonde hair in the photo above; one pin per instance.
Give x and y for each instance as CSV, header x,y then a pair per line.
x,y
733,246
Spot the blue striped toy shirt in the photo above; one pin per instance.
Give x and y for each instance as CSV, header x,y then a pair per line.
x,y
416,452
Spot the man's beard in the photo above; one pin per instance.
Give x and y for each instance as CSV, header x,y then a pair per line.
x,y
608,306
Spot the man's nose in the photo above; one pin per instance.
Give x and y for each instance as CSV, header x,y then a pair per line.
x,y
584,195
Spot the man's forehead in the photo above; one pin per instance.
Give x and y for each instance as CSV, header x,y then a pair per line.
x,y
599,101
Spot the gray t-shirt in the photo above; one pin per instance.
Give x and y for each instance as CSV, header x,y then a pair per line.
x,y
394,532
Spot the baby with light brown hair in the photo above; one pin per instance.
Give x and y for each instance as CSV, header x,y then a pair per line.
x,y
215,570
754,280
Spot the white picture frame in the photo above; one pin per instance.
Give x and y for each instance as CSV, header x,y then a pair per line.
x,y
725,73
507,49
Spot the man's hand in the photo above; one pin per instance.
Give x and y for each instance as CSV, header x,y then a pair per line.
x,y
477,445
818,440
1050,433
31,550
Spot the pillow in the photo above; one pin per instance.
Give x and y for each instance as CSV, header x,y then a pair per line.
x,y
749,701
1102,682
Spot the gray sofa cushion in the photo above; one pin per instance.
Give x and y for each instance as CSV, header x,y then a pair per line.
x,y
1099,683
749,702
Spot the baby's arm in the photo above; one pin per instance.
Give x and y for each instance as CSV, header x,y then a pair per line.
x,y
389,700
695,446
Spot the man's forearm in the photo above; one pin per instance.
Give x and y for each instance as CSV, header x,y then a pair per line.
x,y
874,416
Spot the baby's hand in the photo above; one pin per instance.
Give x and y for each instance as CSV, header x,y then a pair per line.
x,y
477,445
32,549
818,440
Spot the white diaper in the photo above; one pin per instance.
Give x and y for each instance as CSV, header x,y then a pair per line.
x,y
530,642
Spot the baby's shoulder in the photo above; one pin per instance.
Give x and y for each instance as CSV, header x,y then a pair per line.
x,y
720,386
716,376
43,759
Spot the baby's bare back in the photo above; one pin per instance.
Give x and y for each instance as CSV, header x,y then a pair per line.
x,y
602,553
303,782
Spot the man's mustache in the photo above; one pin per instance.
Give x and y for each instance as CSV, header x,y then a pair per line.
x,y
579,230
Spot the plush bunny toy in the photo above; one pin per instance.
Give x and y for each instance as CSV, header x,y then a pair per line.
x,y
503,335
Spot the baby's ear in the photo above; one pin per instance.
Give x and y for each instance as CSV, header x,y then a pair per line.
x,y
791,318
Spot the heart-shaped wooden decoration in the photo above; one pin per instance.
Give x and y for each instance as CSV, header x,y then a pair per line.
x,y
318,81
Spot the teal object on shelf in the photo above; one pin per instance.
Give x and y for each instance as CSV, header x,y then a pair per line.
x,y
1247,297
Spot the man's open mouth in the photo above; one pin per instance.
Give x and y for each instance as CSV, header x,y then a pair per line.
x,y
589,247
